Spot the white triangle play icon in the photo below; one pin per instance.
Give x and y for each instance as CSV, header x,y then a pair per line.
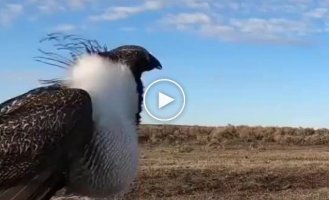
x,y
164,100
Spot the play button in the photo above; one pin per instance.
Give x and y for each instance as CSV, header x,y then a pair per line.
x,y
164,100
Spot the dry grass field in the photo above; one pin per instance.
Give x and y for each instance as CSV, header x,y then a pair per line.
x,y
231,163
241,172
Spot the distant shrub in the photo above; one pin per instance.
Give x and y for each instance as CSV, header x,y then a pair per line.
x,y
177,135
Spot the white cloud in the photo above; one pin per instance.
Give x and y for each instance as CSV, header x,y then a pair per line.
x,y
202,4
222,32
270,26
272,30
318,13
186,20
122,12
53,6
9,13
47,6
64,28
77,4
277,21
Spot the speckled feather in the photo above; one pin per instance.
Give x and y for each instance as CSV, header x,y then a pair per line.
x,y
34,124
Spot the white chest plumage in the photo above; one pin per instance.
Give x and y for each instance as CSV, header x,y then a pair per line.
x,y
112,160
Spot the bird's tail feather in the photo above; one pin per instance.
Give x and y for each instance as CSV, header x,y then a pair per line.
x,y
41,187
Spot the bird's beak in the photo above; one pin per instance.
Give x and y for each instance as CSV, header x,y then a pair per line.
x,y
159,67
155,62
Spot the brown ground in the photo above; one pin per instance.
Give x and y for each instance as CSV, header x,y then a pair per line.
x,y
231,163
245,172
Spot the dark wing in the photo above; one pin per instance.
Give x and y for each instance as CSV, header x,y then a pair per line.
x,y
40,133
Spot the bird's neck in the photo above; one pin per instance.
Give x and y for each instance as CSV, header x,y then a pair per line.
x,y
112,88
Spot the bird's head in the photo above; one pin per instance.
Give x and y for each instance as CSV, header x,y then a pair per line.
x,y
139,60
136,57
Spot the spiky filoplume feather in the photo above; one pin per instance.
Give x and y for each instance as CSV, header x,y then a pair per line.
x,y
79,133
68,48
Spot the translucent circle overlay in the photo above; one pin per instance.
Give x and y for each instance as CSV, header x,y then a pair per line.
x,y
181,109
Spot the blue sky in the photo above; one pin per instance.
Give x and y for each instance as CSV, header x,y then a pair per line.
x,y
240,62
